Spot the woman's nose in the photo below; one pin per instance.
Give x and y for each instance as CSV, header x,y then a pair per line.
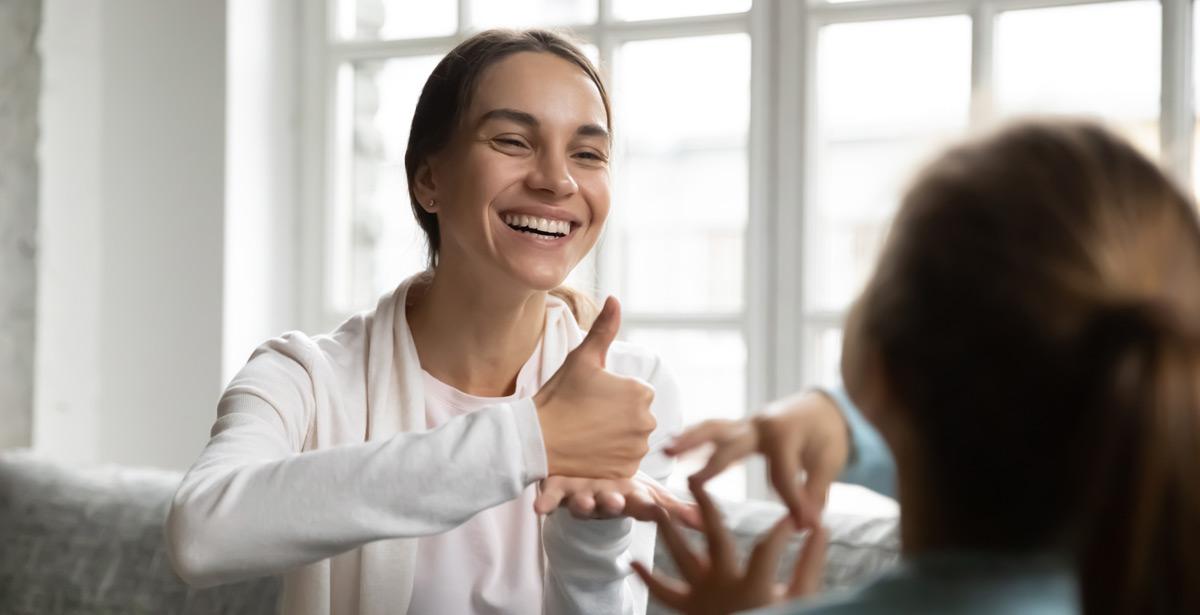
x,y
552,177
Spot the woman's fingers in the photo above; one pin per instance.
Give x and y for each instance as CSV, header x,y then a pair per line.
x,y
764,558
550,497
641,506
810,565
581,504
688,563
610,503
668,591
687,512
720,545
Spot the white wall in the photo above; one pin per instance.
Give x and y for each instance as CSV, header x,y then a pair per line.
x,y
261,199
67,391
19,75
132,240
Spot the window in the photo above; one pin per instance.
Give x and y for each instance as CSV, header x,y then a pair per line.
x,y
761,150
896,80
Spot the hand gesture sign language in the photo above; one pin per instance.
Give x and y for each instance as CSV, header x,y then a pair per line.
x,y
803,433
639,497
714,585
595,424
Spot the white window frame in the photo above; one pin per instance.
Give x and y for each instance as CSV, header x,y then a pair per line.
x,y
1176,117
778,328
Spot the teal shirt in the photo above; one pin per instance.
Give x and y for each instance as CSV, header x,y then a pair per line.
x,y
946,583
956,583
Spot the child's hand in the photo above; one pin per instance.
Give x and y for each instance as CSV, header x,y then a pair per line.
x,y
803,433
714,585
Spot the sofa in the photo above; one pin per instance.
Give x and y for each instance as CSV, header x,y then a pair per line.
x,y
90,541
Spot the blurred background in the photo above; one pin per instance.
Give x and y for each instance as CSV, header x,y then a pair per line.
x,y
182,179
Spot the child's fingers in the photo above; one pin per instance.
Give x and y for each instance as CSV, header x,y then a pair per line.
x,y
722,555
689,565
666,591
810,565
727,452
764,558
698,435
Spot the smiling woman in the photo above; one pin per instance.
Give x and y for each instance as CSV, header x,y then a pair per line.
x,y
496,127
404,462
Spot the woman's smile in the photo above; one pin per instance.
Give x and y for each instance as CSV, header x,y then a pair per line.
x,y
542,226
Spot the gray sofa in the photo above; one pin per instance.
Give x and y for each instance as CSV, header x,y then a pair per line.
x,y
90,541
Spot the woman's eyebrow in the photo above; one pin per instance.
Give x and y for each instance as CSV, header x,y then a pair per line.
x,y
512,115
527,119
592,130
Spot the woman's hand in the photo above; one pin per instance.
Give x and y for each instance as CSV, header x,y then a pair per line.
x,y
595,424
714,585
805,432
590,498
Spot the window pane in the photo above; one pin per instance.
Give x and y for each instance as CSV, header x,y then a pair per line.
x,y
384,244
1196,97
1098,59
531,13
659,9
822,364
675,237
710,367
888,94
393,19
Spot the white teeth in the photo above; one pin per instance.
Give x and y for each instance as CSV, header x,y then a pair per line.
x,y
545,225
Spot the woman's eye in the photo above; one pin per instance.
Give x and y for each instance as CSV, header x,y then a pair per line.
x,y
591,156
509,142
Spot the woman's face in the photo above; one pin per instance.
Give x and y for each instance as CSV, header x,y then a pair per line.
x,y
523,189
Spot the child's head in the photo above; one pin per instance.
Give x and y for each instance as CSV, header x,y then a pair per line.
x,y
1034,325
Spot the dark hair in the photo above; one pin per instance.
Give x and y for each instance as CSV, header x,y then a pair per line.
x,y
447,96
1036,313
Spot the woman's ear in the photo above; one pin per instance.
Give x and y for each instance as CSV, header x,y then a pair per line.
x,y
425,187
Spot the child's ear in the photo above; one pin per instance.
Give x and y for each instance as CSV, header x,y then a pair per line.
x,y
864,373
854,353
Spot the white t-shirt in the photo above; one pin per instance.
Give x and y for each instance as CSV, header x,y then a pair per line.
x,y
492,564
321,469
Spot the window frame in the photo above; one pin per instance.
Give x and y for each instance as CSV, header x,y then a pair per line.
x,y
781,347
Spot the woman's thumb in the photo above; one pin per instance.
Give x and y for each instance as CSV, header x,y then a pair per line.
x,y
604,330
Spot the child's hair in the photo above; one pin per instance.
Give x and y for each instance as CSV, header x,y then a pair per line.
x,y
1036,314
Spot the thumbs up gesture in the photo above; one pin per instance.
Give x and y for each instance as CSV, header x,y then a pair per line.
x,y
595,424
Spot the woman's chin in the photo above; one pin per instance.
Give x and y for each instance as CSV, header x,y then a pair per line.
x,y
541,276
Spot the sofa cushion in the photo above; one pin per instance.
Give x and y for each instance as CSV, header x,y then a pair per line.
x,y
91,541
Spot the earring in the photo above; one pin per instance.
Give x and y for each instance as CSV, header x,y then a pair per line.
x,y
432,205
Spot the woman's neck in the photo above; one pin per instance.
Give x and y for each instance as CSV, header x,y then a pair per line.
x,y
473,336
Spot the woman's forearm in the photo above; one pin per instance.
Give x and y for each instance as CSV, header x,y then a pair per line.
x,y
251,506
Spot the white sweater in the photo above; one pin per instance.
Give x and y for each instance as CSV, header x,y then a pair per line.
x,y
319,468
